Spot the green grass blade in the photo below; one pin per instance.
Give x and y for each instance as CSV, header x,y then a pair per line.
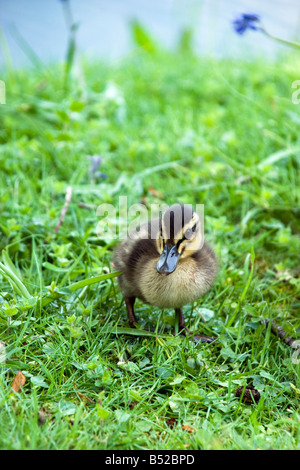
x,y
93,280
241,299
9,271
134,332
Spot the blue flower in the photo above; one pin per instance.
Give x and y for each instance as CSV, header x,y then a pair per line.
x,y
93,170
246,21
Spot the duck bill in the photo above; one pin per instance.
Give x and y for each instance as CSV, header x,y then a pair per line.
x,y
168,260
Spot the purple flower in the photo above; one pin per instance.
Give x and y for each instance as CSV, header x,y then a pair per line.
x,y
93,170
246,21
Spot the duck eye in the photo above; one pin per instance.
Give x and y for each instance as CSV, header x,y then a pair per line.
x,y
188,234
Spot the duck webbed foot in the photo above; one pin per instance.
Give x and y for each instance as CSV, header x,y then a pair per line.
x,y
183,330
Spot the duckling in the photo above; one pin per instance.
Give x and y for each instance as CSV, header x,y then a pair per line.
x,y
166,263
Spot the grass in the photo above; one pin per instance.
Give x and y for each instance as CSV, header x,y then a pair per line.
x,y
169,127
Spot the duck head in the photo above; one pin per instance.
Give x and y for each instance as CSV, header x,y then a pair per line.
x,y
179,236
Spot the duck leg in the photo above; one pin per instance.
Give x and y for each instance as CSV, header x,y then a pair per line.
x,y
186,332
129,301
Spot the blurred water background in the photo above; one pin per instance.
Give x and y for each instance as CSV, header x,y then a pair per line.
x,y
104,26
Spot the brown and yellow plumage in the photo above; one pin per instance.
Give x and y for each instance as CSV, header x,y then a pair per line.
x,y
166,263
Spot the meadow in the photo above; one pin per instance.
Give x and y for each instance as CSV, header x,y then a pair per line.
x,y
169,127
